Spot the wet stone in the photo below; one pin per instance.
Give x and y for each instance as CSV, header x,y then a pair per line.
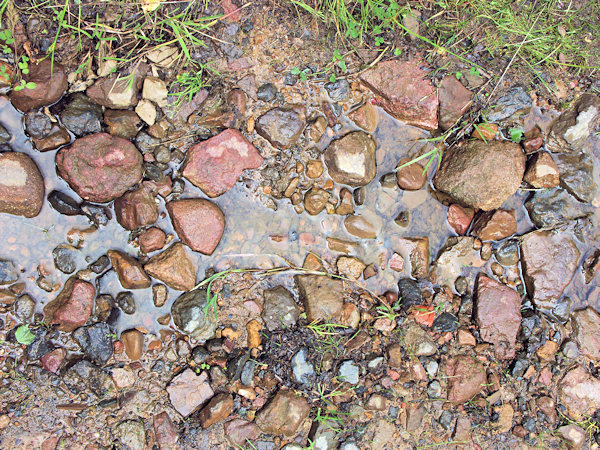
x,y
133,341
591,265
189,315
53,360
586,324
350,267
279,309
281,127
284,414
99,215
72,307
402,219
239,432
164,430
95,341
351,159
409,292
85,376
577,175
117,93
136,209
416,251
571,130
322,296
266,92
553,207
24,308
199,223
37,125
188,391
64,204
315,200
579,392
445,322
50,84
57,137
495,225
81,116
454,100
302,369
151,240
365,117
459,218
338,91
217,410
346,205
8,272
360,227
21,185
542,171
417,341
349,372
515,102
126,302
507,253
125,124
466,378
412,177
159,295
64,259
104,306
129,270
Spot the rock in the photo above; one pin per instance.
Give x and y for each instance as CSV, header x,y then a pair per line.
x,y
253,329
279,309
53,360
217,410
136,209
125,124
396,262
155,90
346,205
216,164
100,167
57,137
466,378
281,126
190,315
266,92
579,393
586,324
573,127
350,267
21,185
403,91
445,322
416,251
459,218
481,175
412,177
322,296
591,265
123,377
349,372
455,100
465,338
23,308
163,56
394,352
132,435
64,204
159,295
133,341
315,200
188,391
495,225
417,341
165,431
151,240
86,377
554,207
507,253
72,307
360,227
146,111
351,159
515,102
414,416
126,302
485,131
458,252
239,432
284,414
409,293
573,435
577,175
365,117
314,168
50,84
542,171
129,270
81,115
547,351
498,316
549,261
8,272
174,268
338,91
302,370
64,258
117,93
199,223
95,341
37,125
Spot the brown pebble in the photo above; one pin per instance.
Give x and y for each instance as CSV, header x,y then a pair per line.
x,y
133,341
253,327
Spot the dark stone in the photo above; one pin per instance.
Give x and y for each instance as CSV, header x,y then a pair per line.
x,y
126,302
266,92
64,204
248,373
85,376
37,125
515,101
402,219
8,272
82,116
40,345
95,341
409,292
100,265
199,355
191,316
552,207
64,259
507,253
445,322
577,175
338,90
98,214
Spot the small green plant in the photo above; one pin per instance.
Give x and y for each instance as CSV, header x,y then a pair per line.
x,y
24,336
24,85
458,75
23,65
516,135
302,74
188,84
6,39
389,312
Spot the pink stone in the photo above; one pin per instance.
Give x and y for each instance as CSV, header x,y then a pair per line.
x,y
52,361
397,262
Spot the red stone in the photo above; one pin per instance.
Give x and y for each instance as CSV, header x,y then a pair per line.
x,y
136,209
455,100
72,307
164,430
216,164
129,270
459,218
50,84
199,223
151,240
52,361
21,185
404,92
495,225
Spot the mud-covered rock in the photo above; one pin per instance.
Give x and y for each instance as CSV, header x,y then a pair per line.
x,y
466,378
50,84
284,414
579,393
573,127
481,175
21,185
281,126
322,296
216,164
129,270
542,171
188,391
100,167
514,103
549,261
577,174
402,89
191,316
586,324
173,267
495,225
549,208
217,410
86,377
315,200
498,315
72,307
95,342
455,100
351,159
279,308
132,435
458,252
122,123
81,115
199,223
136,209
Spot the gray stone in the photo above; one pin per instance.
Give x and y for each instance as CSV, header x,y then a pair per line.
x,y
24,308
417,341
577,174
95,341
132,434
302,369
572,129
351,159
349,372
515,102
191,316
279,308
281,127
553,207
82,116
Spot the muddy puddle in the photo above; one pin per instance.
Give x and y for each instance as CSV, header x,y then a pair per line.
x,y
255,236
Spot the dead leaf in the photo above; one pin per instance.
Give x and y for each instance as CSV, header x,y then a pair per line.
x,y
150,5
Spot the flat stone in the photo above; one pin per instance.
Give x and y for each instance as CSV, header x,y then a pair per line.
x,y
216,164
322,296
341,245
351,159
217,410
50,84
495,225
72,307
458,252
21,185
199,223
360,227
118,93
129,270
542,171
403,91
466,378
586,324
100,167
350,267
173,267
550,208
455,100
498,316
570,131
579,393
481,175
281,126
239,432
549,262
284,414
188,391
